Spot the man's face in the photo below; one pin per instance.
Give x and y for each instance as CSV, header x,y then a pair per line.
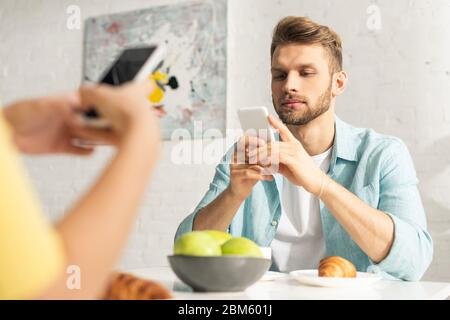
x,y
301,82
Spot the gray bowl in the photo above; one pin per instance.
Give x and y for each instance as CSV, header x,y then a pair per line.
x,y
219,274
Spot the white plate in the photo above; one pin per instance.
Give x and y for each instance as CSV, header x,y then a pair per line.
x,y
311,277
272,275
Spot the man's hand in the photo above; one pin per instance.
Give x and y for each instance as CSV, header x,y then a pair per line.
x,y
244,175
291,158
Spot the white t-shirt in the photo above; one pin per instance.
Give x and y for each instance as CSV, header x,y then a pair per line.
x,y
299,241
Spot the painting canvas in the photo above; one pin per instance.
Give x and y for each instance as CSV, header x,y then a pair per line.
x,y
192,78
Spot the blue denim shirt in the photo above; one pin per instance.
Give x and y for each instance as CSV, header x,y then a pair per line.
x,y
376,168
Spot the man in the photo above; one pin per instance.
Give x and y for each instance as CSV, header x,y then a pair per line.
x,y
339,190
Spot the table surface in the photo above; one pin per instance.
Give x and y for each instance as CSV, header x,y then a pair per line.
x,y
286,288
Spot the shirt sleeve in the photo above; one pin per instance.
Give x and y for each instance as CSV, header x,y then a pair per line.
x,y
412,249
217,186
31,252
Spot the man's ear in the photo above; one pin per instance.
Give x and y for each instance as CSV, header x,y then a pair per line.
x,y
339,83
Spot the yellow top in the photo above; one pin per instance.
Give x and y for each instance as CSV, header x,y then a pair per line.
x,y
31,252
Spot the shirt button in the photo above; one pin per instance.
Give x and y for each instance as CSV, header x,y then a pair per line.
x,y
274,223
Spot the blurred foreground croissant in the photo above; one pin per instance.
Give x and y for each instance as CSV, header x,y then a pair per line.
x,y
125,286
336,267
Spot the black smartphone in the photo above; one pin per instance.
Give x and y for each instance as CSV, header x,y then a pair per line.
x,y
132,64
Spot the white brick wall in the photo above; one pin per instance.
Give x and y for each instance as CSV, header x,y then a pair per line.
x,y
399,84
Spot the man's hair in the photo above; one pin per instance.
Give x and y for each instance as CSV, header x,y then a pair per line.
x,y
302,30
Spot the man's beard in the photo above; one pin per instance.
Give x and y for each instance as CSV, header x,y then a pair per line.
x,y
302,117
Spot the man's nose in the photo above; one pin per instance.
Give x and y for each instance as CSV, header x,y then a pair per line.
x,y
292,83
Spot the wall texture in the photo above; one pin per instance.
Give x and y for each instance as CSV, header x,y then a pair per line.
x,y
399,84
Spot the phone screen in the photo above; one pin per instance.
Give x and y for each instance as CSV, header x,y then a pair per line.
x,y
127,65
254,122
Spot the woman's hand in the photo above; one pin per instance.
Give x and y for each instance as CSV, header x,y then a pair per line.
x,y
52,125
44,125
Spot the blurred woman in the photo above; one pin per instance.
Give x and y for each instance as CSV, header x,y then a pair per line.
x,y
34,255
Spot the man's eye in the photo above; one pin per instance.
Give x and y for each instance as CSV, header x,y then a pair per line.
x,y
279,77
307,74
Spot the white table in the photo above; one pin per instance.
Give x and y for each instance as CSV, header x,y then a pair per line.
x,y
289,289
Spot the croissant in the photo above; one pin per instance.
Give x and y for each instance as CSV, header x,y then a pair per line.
x,y
125,286
336,267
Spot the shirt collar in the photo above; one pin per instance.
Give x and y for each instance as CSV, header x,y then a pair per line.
x,y
346,141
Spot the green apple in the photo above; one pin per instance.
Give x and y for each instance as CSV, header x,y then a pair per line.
x,y
197,243
241,246
219,236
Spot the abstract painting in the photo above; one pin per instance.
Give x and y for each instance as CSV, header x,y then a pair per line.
x,y
192,78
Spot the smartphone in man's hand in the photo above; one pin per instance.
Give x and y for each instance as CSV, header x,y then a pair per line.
x,y
254,122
